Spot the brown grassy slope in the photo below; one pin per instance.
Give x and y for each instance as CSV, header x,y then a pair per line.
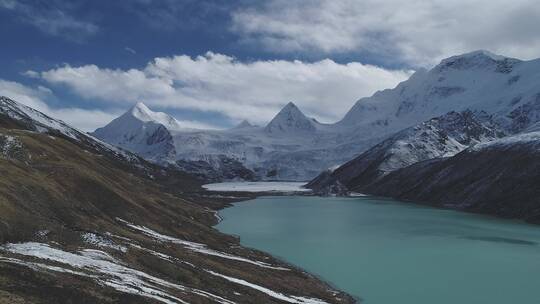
x,y
50,183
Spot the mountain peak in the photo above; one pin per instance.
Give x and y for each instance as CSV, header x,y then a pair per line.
x,y
290,119
140,106
141,112
290,105
483,53
244,124
136,117
479,59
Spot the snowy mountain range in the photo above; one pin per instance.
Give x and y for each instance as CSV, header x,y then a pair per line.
x,y
295,147
439,137
290,147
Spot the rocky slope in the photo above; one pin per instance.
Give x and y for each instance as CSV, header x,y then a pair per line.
x,y
81,221
295,147
499,178
438,137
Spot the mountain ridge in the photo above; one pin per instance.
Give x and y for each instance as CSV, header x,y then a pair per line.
x,y
439,137
293,146
499,178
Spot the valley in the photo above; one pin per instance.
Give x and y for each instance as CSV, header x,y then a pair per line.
x,y
125,213
84,221
269,152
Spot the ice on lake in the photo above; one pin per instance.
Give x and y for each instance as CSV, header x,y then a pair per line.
x,y
257,187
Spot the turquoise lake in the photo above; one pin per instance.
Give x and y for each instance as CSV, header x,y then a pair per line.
x,y
386,252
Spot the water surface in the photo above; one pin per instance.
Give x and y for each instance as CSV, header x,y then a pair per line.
x,y
389,252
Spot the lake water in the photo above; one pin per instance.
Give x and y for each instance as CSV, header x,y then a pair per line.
x,y
387,252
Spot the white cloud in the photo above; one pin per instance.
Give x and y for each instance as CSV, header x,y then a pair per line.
x,y
417,32
30,74
130,50
240,90
86,120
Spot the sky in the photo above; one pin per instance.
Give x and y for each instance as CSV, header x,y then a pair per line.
x,y
212,64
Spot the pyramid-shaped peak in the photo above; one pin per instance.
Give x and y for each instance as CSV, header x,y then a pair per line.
x,y
244,124
291,107
290,119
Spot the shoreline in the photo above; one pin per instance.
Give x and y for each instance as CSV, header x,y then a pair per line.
x,y
283,261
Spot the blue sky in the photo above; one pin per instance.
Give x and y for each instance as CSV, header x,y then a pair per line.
x,y
214,63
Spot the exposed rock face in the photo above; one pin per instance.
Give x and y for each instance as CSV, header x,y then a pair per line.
x,y
442,136
217,169
499,178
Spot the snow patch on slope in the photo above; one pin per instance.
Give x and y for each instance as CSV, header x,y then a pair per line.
x,y
196,247
273,294
531,140
107,271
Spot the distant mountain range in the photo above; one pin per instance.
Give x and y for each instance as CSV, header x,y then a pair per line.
x,y
290,147
295,147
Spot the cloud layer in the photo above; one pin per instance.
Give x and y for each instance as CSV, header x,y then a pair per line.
x,y
86,120
416,32
83,119
239,90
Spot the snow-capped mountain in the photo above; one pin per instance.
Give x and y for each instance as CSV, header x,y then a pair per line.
x,y
500,177
14,115
443,136
290,147
295,147
30,119
290,121
142,131
505,87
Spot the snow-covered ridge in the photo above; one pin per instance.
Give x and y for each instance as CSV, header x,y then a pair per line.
x,y
530,140
439,137
295,147
42,123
